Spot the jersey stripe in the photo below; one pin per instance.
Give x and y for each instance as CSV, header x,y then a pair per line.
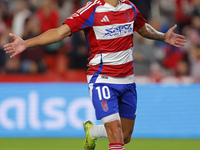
x,y
117,58
84,7
118,17
113,70
89,6
108,8
112,80
116,45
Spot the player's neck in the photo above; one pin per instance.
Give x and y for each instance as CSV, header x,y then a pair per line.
x,y
112,2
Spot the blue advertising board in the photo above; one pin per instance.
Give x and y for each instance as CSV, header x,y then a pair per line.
x,y
59,109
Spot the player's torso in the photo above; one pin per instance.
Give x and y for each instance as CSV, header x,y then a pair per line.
x,y
111,40
112,28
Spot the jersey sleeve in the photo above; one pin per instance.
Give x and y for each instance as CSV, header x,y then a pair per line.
x,y
139,20
83,18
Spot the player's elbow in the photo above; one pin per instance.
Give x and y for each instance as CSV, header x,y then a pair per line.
x,y
64,31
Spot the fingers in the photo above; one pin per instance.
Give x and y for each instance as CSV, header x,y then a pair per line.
x,y
13,55
180,36
7,47
9,50
179,44
13,52
181,40
174,27
176,45
12,36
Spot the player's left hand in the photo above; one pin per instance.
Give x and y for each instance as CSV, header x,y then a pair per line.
x,y
17,46
174,39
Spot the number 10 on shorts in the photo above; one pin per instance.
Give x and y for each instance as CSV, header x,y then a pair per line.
x,y
103,91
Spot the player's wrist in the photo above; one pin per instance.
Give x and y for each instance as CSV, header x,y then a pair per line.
x,y
25,44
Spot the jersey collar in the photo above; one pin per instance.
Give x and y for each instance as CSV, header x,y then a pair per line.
x,y
103,2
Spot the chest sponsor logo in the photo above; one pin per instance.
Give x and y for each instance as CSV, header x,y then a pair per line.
x,y
118,30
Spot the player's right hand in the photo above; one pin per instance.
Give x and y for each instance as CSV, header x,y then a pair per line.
x,y
17,46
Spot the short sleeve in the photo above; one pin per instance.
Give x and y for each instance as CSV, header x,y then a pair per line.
x,y
139,20
83,18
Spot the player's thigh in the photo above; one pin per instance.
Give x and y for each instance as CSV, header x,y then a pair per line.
x,y
127,110
128,102
104,100
127,128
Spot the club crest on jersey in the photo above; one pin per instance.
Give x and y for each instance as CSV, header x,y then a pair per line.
x,y
128,18
104,106
119,30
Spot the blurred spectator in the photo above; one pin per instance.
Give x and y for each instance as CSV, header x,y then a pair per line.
x,y
143,55
197,7
32,60
19,18
12,65
195,60
2,61
144,7
66,9
172,57
167,9
48,15
3,37
192,48
183,13
182,68
79,53
83,2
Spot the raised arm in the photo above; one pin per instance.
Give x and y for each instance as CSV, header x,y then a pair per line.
x,y
51,36
169,37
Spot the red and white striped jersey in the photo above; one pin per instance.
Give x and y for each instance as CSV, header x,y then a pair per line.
x,y
109,35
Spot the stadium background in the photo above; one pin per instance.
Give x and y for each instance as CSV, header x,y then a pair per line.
x,y
43,92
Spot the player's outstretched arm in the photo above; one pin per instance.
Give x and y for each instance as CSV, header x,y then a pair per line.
x,y
169,37
51,36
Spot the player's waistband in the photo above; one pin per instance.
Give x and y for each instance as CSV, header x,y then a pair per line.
x,y
113,80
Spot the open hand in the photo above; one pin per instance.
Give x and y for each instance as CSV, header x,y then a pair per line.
x,y
17,46
173,38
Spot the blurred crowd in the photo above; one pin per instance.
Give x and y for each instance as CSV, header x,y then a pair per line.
x,y
29,18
